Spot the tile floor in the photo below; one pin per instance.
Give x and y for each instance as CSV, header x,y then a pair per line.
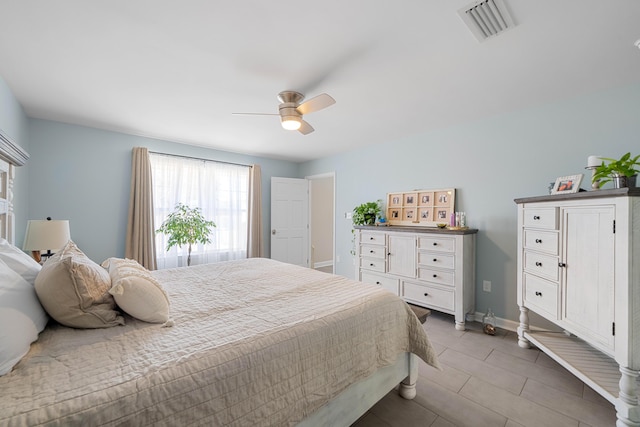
x,y
490,381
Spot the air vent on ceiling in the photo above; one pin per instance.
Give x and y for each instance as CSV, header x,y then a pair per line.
x,y
487,18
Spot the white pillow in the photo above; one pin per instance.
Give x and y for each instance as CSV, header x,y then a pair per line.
x,y
21,317
19,262
136,291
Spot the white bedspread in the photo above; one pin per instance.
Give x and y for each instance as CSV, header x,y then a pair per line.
x,y
255,342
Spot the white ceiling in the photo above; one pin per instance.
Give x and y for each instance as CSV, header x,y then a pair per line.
x,y
176,70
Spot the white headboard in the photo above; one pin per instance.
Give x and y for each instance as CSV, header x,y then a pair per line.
x,y
11,155
7,225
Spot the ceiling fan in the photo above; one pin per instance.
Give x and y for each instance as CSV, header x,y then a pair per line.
x,y
291,110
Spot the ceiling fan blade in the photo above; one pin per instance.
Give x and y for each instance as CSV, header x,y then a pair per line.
x,y
316,103
305,128
254,114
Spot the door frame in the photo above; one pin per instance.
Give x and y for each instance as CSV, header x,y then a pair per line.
x,y
310,178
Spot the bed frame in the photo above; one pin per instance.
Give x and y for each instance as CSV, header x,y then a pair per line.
x,y
358,398
343,410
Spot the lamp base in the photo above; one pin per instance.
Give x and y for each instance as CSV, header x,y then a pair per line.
x,y
36,256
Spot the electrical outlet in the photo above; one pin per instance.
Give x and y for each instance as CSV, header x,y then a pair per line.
x,y
486,286
347,215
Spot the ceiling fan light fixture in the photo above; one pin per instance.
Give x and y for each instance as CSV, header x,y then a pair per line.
x,y
291,122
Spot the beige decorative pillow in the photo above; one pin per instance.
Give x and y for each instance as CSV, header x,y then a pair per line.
x,y
75,290
136,291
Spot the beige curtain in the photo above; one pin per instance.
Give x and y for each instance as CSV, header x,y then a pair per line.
x,y
141,237
254,234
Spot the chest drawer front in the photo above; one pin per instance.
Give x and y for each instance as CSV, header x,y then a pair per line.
x,y
542,294
372,238
392,285
373,264
545,218
372,251
428,295
440,244
541,265
436,276
435,259
544,241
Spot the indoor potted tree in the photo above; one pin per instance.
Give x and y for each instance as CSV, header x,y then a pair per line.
x,y
186,226
622,172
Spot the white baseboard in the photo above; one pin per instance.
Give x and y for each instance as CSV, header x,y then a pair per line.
x,y
322,264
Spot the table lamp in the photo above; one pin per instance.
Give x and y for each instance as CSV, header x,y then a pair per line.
x,y
45,235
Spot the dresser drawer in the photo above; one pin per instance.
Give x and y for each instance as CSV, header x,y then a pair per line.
x,y
373,251
542,294
435,259
388,283
373,264
440,244
372,238
541,265
545,218
544,241
428,295
436,276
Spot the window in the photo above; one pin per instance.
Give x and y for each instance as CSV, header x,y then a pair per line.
x,y
220,190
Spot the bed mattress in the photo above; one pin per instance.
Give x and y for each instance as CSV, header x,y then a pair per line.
x,y
254,342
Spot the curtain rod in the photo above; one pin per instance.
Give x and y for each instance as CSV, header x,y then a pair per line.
x,y
199,158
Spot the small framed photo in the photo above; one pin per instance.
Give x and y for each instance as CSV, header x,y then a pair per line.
x,y
567,184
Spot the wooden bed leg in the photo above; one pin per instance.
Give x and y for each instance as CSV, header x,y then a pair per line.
x,y
408,385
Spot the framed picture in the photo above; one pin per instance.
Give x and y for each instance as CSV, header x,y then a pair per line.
x,y
420,207
410,199
567,184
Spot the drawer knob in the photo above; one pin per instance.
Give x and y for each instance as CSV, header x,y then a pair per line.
x,y
426,294
378,283
538,294
435,244
372,238
562,264
435,275
372,265
536,217
538,240
435,260
371,251
538,264
388,253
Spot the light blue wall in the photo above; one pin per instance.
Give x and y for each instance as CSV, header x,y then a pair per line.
x,y
490,163
14,124
83,174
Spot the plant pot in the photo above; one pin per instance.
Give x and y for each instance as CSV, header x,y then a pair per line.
x,y
369,219
620,181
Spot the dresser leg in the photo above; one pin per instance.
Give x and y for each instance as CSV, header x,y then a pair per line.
x,y
628,411
524,327
460,326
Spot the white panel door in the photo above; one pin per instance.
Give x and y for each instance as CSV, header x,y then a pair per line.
x,y
289,220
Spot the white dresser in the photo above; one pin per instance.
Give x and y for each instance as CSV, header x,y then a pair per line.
x,y
579,267
428,267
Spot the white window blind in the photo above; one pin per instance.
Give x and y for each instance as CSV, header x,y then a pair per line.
x,y
219,189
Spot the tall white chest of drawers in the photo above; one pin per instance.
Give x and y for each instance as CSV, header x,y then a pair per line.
x,y
428,267
579,267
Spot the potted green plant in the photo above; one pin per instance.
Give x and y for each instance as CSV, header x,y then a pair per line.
x,y
366,213
186,226
622,171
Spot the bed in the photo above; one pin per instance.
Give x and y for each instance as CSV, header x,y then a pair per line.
x,y
252,342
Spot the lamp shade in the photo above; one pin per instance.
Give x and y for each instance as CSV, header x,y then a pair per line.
x,y
43,235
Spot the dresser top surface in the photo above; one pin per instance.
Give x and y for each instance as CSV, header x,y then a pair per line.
x,y
593,194
410,229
